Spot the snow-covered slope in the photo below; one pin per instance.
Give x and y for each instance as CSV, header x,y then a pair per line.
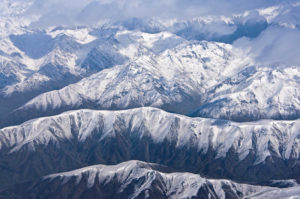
x,y
285,193
77,51
175,80
234,66
39,61
249,152
132,179
207,79
255,93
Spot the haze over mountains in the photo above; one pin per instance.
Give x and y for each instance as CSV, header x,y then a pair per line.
x,y
119,99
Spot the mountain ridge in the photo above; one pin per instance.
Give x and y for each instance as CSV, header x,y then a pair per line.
x,y
249,152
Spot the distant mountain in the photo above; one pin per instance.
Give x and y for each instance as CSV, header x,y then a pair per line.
x,y
35,61
176,80
72,54
255,93
200,79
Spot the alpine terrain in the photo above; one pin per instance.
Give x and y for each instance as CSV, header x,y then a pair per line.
x,y
149,99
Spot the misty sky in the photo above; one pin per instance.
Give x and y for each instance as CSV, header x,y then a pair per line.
x,y
54,12
279,43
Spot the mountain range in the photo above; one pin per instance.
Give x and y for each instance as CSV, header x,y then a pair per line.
x,y
148,107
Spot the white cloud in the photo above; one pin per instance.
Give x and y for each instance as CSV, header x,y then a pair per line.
x,y
279,43
60,12
275,46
